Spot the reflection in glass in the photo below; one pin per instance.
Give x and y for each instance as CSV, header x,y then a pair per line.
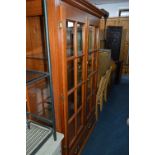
x,y
89,64
88,103
39,98
93,85
79,96
70,105
91,39
71,130
79,38
70,38
70,74
95,61
88,87
79,69
79,120
93,102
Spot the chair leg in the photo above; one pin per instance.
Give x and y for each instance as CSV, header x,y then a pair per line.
x,y
105,95
96,111
101,102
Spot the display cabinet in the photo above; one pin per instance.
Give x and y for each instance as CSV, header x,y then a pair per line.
x,y
79,33
39,85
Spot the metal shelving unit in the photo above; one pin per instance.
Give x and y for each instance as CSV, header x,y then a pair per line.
x,y
33,76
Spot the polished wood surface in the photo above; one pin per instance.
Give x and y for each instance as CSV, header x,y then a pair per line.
x,y
75,15
35,47
88,7
33,7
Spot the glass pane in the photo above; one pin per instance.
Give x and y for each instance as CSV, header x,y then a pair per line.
x,y
79,38
79,120
89,64
39,98
71,131
88,87
79,68
79,96
124,14
70,38
35,44
91,39
95,61
94,85
70,105
88,103
93,102
70,74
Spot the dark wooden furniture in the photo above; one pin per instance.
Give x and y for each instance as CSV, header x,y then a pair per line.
x,y
124,50
74,43
113,41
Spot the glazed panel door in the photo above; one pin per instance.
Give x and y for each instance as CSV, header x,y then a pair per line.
x,y
75,69
91,69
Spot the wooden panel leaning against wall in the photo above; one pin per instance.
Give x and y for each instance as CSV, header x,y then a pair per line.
x,y
124,53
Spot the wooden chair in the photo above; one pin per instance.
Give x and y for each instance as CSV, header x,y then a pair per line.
x,y
99,96
107,76
102,91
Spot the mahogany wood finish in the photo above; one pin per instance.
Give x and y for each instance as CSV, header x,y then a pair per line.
x,y
88,7
33,7
74,140
74,98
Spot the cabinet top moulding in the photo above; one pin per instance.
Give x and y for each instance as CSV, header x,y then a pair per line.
x,y
88,7
34,7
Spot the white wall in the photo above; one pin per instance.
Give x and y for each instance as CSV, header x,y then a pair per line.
x,y
113,9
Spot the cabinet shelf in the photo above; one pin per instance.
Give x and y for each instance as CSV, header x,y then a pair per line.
x,y
33,76
36,56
